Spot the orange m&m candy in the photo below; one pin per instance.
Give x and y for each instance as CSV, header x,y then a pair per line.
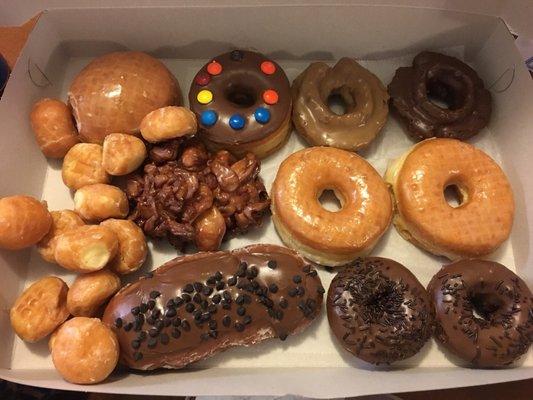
x,y
214,68
270,96
268,67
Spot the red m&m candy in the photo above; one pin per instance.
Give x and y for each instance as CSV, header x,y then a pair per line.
x,y
268,67
270,96
214,68
202,79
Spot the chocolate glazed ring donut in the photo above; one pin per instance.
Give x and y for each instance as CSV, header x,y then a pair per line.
x,y
379,311
448,80
364,97
484,312
243,104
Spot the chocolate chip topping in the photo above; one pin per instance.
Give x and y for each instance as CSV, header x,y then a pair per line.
x,y
449,80
221,317
168,194
378,310
483,312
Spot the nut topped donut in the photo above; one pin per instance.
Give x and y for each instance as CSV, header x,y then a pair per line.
x,y
448,80
243,104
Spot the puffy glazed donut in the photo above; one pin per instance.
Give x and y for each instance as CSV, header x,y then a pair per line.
x,y
484,217
379,311
448,80
326,237
363,94
243,103
114,92
483,312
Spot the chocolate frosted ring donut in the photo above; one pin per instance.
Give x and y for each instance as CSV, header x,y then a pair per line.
x,y
379,311
449,81
364,97
243,104
484,312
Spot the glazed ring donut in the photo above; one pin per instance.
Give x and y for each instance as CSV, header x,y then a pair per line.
x,y
363,94
483,312
379,311
326,237
448,80
243,104
478,225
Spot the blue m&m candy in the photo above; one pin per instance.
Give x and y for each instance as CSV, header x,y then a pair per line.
x,y
236,121
262,115
208,117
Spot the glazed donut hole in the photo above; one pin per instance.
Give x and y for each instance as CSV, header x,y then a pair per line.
x,y
83,165
53,126
122,153
62,221
455,194
86,248
24,221
100,201
341,100
40,309
90,291
84,350
168,123
132,250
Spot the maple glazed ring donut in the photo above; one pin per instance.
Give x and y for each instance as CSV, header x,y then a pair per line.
x,y
326,237
364,96
243,104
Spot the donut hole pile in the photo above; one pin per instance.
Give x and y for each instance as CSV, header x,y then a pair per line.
x,y
181,180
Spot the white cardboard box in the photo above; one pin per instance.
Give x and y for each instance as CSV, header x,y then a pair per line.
x,y
383,37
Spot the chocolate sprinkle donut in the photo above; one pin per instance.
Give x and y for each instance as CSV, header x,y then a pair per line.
x,y
379,311
484,312
175,334
448,80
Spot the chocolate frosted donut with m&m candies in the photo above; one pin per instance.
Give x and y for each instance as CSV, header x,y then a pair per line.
x,y
243,104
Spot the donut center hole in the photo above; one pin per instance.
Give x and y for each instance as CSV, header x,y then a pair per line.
x,y
485,306
454,196
445,95
341,100
330,201
241,96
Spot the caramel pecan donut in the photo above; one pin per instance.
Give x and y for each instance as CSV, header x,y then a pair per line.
x,y
484,312
362,92
188,195
449,80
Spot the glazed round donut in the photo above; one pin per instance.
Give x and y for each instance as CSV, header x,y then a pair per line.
x,y
483,312
379,311
243,104
478,225
449,80
326,237
363,94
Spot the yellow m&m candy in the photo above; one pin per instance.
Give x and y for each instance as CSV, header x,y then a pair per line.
x,y
204,96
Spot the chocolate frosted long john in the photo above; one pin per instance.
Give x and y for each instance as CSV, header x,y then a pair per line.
x,y
195,306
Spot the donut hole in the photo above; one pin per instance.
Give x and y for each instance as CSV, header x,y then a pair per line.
x,y
454,195
341,100
330,201
485,306
241,96
445,93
